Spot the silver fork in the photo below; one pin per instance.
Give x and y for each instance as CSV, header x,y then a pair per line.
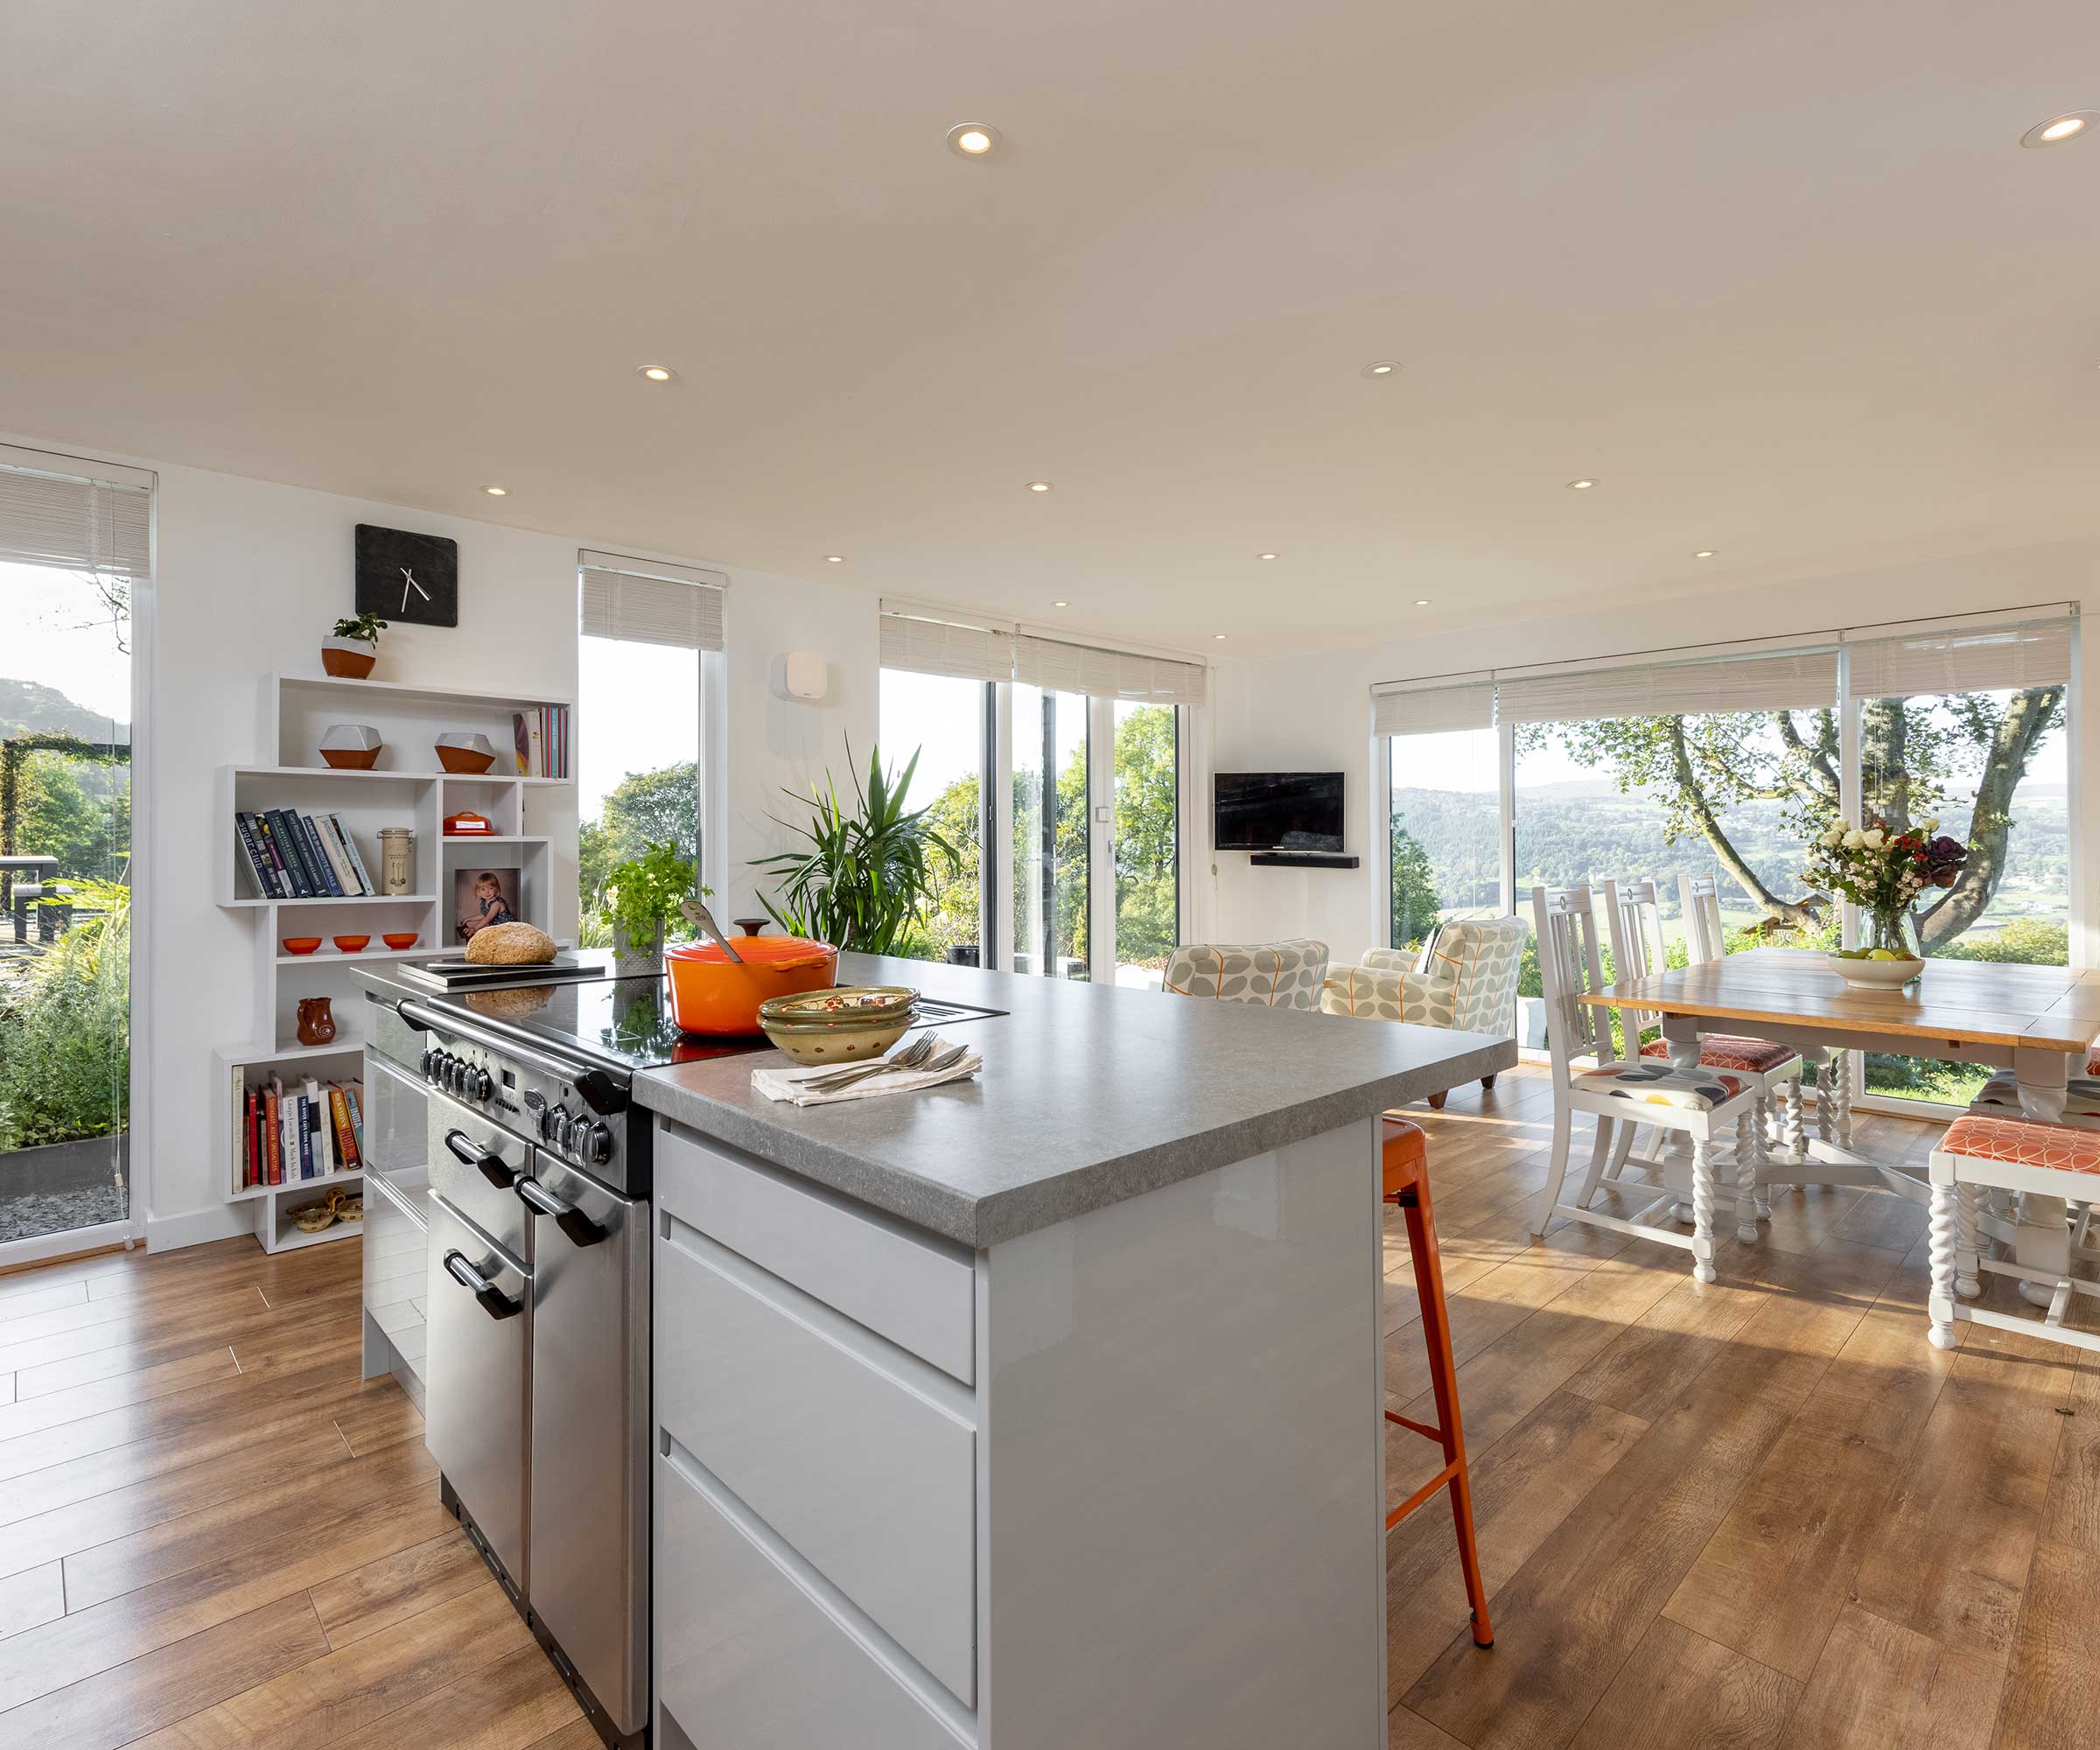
x,y
913,1056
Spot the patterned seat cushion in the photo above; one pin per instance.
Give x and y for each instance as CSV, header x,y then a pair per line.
x,y
2001,1093
2023,1143
1657,1084
1420,997
2092,1063
1726,1051
1277,974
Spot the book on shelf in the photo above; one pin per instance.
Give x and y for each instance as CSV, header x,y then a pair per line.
x,y
290,856
290,1135
540,741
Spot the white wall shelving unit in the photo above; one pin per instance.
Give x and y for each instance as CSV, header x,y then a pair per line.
x,y
405,789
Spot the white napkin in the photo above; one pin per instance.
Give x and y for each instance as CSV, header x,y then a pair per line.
x,y
791,1084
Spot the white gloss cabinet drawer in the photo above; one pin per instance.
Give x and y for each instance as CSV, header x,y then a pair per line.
x,y
914,1289
747,1655
860,1457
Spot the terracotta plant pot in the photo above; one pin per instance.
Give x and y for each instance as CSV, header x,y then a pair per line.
x,y
347,659
465,754
351,746
351,758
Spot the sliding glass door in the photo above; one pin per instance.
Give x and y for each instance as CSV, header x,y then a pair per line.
x,y
1052,833
70,550
1147,839
940,720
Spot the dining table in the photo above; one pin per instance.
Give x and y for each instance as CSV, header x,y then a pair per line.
x,y
2038,1021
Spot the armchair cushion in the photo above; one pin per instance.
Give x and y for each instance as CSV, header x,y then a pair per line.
x,y
1466,978
1279,975
1426,999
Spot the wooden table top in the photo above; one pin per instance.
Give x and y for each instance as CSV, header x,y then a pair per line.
x,y
2046,1008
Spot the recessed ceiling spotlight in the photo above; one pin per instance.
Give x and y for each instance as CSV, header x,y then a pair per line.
x,y
1264,555
1038,485
1704,553
657,374
835,558
973,140
1581,486
496,491
2058,129
1219,636
1380,368
1060,604
1421,601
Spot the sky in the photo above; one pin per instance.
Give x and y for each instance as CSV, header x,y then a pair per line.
x,y
54,630
638,708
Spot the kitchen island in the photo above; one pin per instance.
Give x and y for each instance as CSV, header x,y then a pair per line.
x,y
1039,1410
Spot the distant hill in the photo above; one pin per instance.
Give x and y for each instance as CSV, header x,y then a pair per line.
x,y
29,707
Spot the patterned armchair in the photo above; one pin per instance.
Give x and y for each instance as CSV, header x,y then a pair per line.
x,y
1278,975
1466,980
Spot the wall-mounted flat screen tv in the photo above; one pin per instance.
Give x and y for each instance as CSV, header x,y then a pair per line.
x,y
1278,811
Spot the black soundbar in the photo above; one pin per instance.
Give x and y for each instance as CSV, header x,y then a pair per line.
x,y
1300,859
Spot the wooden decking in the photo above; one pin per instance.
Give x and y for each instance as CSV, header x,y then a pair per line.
x,y
1763,1513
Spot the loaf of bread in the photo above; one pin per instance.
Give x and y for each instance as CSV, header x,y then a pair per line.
x,y
510,945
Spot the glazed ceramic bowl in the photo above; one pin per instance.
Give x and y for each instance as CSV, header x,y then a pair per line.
x,y
840,1041
1874,974
301,944
845,1005
465,754
407,939
351,944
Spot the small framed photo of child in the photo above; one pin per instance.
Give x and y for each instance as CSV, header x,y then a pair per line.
x,y
482,896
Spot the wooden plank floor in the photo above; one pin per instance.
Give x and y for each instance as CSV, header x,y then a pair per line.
x,y
1759,1513
214,1536
1764,1512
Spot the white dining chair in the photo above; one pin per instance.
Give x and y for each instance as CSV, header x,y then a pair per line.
x,y
1699,897
1589,1076
1634,912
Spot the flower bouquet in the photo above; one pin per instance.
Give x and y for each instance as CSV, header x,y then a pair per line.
x,y
1883,872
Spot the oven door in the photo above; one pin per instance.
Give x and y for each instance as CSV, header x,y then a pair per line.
x,y
589,1513
476,1378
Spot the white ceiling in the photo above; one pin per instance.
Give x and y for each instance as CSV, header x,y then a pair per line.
x,y
1779,277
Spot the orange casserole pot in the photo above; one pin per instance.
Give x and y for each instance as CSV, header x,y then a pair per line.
x,y
711,994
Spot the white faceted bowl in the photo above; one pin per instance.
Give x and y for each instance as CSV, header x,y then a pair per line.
x,y
1878,975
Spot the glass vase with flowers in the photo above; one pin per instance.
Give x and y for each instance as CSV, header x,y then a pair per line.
x,y
1884,871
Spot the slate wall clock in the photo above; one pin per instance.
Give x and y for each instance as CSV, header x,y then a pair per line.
x,y
405,577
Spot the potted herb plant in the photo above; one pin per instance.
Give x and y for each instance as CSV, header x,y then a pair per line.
x,y
865,881
354,647
639,900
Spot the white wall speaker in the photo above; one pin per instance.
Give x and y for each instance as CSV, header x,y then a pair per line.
x,y
801,676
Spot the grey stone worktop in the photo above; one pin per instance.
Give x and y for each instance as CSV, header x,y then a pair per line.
x,y
1089,1095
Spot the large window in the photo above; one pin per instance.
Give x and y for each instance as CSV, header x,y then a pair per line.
x,y
1730,766
72,550
940,719
1055,770
641,667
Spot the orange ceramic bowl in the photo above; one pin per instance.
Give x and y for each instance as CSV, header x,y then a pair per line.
x,y
301,944
351,944
711,994
406,941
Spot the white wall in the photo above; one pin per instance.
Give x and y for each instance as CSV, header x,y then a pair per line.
x,y
1312,712
248,578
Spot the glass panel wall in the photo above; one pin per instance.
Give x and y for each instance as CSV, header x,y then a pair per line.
x,y
1445,848
1052,833
1147,843
638,768
65,900
940,720
1990,768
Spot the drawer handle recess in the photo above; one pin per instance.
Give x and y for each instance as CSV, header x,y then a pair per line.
x,y
495,1302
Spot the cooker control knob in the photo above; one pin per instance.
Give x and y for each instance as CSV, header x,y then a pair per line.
x,y
553,1128
484,1085
456,1076
424,1063
594,1147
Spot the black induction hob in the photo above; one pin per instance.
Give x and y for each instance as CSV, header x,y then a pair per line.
x,y
628,1021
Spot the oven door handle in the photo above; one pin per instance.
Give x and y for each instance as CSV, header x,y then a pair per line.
x,y
497,1171
569,1219
495,1302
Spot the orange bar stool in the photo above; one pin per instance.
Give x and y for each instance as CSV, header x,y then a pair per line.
x,y
1406,1175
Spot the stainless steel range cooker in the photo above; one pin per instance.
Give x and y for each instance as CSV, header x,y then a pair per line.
x,y
536,1373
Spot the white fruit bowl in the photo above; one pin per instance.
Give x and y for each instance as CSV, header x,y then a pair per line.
x,y
1880,975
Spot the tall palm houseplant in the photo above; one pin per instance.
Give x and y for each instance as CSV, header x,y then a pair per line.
x,y
864,881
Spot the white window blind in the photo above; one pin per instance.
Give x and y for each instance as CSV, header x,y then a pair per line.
x,y
647,601
74,523
1433,711
1784,681
929,645
1971,660
1057,667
